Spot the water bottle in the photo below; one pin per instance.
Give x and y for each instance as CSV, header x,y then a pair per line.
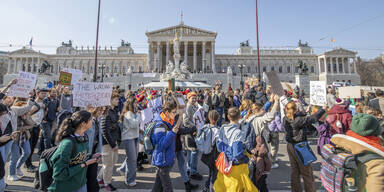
x,y
351,187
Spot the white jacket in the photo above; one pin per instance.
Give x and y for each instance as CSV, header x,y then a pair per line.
x,y
131,125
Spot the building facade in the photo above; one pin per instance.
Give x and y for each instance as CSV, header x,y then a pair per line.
x,y
197,49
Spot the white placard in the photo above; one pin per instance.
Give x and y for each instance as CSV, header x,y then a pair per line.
x,y
94,94
350,91
146,117
318,93
77,75
25,84
180,100
156,104
198,118
149,74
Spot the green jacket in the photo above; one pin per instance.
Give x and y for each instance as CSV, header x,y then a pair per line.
x,y
67,172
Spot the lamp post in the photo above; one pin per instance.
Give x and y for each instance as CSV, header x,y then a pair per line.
x,y
97,43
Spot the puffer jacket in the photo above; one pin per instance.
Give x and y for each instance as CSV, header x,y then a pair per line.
x,y
296,128
372,172
163,139
230,142
110,127
276,125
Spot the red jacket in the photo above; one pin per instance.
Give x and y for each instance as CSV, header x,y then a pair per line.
x,y
343,115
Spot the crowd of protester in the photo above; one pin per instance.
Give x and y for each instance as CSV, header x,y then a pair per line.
x,y
238,139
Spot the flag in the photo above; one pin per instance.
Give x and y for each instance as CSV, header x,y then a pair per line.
x,y
332,40
30,42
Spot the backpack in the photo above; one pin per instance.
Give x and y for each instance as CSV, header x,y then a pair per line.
x,y
324,136
340,169
204,139
44,175
147,139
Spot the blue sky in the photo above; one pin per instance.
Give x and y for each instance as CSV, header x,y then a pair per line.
x,y
354,24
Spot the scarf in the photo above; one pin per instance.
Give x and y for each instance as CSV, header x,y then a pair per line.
x,y
166,119
371,140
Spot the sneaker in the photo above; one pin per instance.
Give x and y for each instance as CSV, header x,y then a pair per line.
x,y
120,172
275,166
196,176
110,187
31,169
19,172
13,178
131,184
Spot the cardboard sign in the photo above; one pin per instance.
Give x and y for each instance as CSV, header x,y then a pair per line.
x,y
94,94
156,104
276,86
198,118
318,92
146,117
65,78
180,102
77,75
350,91
25,84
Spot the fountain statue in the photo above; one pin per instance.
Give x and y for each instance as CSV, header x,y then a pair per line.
x,y
175,69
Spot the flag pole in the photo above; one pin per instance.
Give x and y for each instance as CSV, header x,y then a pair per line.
x,y
97,43
257,41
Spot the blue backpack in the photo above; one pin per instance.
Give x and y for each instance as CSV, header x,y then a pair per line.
x,y
204,139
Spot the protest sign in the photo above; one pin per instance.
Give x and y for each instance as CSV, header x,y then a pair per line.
x,y
198,118
65,78
77,75
25,84
276,86
318,93
94,94
156,104
350,91
180,102
146,117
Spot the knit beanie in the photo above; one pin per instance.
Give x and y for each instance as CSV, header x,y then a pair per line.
x,y
365,125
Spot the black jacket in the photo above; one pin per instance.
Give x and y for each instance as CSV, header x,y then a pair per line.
x,y
297,128
110,127
182,131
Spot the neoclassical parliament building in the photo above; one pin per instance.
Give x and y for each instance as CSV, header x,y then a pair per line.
x,y
197,49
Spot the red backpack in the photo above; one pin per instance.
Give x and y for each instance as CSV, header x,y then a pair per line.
x,y
337,123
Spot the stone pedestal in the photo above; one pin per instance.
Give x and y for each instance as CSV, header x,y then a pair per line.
x,y
303,82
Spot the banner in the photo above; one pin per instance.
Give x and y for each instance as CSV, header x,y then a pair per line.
x,y
318,93
65,78
25,84
94,94
350,91
276,86
77,75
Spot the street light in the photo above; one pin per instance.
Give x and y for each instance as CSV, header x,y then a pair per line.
x,y
97,43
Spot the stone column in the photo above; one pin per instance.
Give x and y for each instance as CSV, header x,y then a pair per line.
x,y
186,53
332,67
167,53
15,65
337,65
194,57
319,63
9,65
203,57
19,65
342,63
325,65
158,56
213,67
150,57
354,66
38,65
349,66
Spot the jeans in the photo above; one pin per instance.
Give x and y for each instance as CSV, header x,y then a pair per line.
x,y
45,139
192,159
181,165
163,181
35,132
2,185
17,160
5,150
221,111
130,162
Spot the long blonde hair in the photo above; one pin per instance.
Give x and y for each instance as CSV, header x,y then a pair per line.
x,y
245,104
254,109
290,110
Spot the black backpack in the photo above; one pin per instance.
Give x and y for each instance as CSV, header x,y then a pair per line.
x,y
45,178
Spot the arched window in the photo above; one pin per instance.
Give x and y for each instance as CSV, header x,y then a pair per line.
x,y
288,69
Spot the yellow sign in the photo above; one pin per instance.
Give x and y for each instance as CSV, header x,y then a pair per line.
x,y
65,78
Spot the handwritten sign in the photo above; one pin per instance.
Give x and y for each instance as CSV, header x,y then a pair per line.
x,y
198,118
94,94
318,93
276,86
65,78
77,75
25,84
146,117
350,91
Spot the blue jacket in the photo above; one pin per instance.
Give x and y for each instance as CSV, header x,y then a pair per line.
x,y
230,142
164,141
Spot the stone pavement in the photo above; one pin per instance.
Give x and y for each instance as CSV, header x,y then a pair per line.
x,y
278,179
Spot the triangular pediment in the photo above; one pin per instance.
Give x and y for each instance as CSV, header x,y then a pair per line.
x,y
340,51
25,50
182,30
